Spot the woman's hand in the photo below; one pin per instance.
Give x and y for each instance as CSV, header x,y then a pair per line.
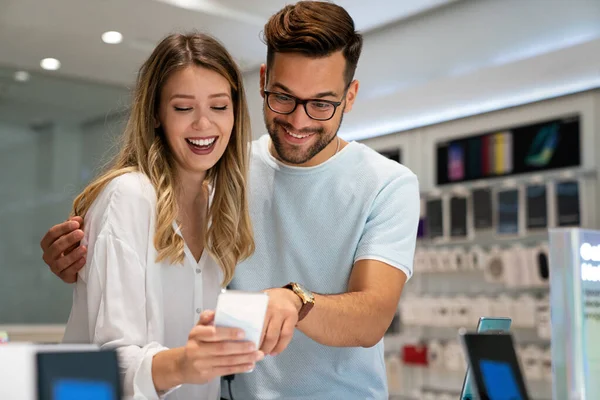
x,y
210,352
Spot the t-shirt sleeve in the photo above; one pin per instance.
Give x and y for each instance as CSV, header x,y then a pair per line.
x,y
390,232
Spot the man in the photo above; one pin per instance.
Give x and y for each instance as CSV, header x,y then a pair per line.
x,y
335,220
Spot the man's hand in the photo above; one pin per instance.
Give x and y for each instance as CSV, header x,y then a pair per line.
x,y
62,250
280,321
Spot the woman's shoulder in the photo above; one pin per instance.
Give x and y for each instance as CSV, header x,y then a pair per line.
x,y
127,197
131,186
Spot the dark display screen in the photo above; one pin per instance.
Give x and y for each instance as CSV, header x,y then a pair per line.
x,y
529,148
435,218
458,216
508,212
482,208
537,208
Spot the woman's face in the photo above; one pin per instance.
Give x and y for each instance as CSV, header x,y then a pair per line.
x,y
196,115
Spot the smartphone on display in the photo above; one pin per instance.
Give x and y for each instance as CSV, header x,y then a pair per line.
x,y
488,325
567,202
458,217
508,212
242,310
482,209
495,366
456,162
537,208
435,218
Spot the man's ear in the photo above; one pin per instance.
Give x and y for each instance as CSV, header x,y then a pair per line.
x,y
263,79
351,95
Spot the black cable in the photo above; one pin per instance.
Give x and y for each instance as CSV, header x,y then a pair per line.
x,y
229,378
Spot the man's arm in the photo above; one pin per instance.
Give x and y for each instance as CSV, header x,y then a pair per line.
x,y
361,316
63,252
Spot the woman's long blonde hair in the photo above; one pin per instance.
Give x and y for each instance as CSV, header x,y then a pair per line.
x,y
229,237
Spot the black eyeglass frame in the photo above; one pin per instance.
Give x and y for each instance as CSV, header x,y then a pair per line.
x,y
304,102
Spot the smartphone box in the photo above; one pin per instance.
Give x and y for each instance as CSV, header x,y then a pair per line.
x,y
243,310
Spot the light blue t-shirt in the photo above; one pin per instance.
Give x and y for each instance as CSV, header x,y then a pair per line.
x,y
310,226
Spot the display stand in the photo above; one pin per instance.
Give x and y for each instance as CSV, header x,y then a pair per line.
x,y
575,313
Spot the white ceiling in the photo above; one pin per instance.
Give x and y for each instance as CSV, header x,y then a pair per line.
x,y
70,30
410,67
95,77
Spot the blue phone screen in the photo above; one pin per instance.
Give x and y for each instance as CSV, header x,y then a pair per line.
x,y
76,389
499,380
485,325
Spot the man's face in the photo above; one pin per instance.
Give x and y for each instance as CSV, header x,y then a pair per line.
x,y
297,138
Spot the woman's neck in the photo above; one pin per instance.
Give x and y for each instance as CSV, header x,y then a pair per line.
x,y
192,193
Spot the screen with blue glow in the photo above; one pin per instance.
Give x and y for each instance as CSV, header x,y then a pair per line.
x,y
499,380
76,389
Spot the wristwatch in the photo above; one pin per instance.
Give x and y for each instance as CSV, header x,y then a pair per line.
x,y
308,299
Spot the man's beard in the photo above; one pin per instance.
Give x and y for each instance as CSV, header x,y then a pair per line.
x,y
292,154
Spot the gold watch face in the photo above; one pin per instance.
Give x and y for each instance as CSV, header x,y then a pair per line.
x,y
306,295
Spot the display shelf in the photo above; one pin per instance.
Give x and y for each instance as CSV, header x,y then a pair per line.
x,y
502,182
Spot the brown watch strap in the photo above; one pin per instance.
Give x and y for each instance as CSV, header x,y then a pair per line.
x,y
306,306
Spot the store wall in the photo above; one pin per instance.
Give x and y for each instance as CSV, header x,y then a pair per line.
x,y
42,169
418,145
513,287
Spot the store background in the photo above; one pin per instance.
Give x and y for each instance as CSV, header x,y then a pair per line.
x,y
431,71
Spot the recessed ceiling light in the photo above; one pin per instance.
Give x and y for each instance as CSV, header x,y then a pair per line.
x,y
112,37
50,64
21,76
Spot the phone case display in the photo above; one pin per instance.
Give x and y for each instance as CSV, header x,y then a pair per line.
x,y
539,268
460,259
542,322
482,209
508,212
526,312
515,260
458,217
435,354
536,207
477,258
495,268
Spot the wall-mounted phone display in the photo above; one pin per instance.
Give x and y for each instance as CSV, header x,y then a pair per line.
x,y
482,209
567,203
535,147
435,218
508,212
536,207
458,217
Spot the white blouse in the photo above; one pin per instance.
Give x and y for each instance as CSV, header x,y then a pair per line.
x,y
124,299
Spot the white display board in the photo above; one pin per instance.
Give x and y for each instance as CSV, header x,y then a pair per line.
x,y
575,313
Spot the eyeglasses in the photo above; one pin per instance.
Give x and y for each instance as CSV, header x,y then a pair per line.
x,y
320,110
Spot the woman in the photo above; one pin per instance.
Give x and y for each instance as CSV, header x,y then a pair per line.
x,y
166,226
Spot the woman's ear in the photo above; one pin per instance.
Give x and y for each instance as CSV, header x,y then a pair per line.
x,y
156,123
